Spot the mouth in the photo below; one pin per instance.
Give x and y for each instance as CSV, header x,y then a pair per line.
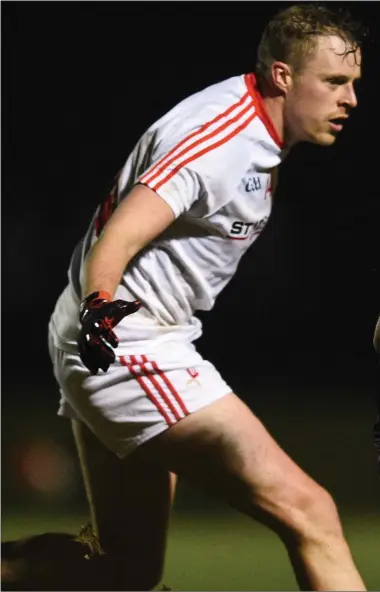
x,y
336,123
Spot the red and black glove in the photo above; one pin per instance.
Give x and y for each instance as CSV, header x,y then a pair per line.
x,y
98,315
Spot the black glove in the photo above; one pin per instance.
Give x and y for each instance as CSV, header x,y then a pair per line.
x,y
98,315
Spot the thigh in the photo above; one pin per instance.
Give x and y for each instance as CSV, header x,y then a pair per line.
x,y
130,503
226,447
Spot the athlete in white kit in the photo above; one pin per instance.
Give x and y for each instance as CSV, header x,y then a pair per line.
x,y
214,215
193,196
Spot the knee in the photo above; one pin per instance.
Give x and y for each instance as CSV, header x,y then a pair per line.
x,y
311,514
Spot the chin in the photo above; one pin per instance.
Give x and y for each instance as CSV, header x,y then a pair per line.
x,y
324,139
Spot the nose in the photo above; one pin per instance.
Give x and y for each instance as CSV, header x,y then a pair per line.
x,y
349,98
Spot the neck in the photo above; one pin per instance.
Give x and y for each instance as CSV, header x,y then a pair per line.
x,y
274,105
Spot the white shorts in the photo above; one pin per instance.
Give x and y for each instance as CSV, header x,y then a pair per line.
x,y
140,395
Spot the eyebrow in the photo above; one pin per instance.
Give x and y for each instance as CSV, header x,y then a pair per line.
x,y
342,77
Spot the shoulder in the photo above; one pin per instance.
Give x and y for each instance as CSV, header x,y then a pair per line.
x,y
210,107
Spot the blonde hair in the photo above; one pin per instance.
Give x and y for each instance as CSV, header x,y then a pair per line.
x,y
292,35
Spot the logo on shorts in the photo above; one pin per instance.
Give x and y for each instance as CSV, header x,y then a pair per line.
x,y
193,376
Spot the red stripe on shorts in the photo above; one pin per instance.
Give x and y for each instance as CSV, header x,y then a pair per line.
x,y
147,391
169,385
156,384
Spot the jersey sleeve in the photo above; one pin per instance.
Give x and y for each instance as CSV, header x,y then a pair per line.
x,y
180,187
200,152
199,170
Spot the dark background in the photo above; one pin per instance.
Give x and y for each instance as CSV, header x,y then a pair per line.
x,y
293,331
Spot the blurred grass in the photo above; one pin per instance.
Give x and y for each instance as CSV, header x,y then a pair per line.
x,y
223,552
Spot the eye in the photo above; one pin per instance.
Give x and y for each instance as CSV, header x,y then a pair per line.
x,y
337,80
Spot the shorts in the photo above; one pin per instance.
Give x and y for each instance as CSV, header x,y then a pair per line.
x,y
140,395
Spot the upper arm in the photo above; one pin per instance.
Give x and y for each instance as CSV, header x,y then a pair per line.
x,y
184,170
139,218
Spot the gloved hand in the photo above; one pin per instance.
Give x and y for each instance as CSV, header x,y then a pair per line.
x,y
98,315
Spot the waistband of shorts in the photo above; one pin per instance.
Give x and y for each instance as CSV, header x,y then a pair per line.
x,y
131,346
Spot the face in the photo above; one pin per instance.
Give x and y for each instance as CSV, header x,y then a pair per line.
x,y
320,98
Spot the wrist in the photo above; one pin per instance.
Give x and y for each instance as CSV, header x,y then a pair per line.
x,y
97,295
102,295
92,301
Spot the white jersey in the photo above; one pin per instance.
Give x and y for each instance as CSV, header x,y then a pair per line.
x,y
210,158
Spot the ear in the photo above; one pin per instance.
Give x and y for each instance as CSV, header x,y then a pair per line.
x,y
281,76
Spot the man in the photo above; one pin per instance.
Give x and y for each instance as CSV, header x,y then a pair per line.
x,y
145,405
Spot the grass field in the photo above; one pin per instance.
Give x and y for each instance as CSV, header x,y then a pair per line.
x,y
224,552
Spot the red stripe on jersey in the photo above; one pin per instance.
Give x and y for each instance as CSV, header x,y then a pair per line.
x,y
204,151
147,391
162,163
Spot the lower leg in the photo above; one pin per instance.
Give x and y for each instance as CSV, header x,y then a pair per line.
x,y
324,564
130,502
312,534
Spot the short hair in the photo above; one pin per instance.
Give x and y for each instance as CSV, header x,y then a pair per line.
x,y
292,35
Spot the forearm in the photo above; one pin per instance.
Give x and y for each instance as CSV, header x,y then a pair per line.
x,y
104,266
